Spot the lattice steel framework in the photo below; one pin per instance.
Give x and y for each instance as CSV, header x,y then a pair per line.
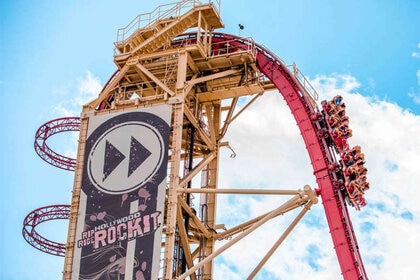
x,y
49,129
41,215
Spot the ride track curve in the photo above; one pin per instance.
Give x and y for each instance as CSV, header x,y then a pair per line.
x,y
38,216
51,212
310,122
49,129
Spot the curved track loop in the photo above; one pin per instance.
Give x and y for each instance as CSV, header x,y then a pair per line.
x,y
47,130
38,216
307,118
335,208
103,105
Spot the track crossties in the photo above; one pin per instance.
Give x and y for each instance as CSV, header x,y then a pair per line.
x,y
41,215
49,129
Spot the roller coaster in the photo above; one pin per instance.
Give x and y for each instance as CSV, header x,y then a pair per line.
x,y
203,75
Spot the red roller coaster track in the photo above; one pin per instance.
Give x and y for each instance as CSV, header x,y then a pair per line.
x,y
52,212
38,216
47,130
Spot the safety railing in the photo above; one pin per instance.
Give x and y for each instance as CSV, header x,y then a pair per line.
x,y
231,46
165,11
303,81
310,90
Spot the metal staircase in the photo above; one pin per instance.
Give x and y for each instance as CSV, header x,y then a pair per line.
x,y
150,32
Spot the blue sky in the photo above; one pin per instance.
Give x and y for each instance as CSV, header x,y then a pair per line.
x,y
55,55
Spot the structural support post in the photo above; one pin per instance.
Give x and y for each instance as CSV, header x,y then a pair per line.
x,y
172,205
174,179
74,209
209,181
297,200
302,213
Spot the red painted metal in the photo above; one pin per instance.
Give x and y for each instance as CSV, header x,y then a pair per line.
x,y
47,130
103,105
38,216
335,208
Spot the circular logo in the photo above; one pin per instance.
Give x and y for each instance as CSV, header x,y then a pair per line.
x,y
123,156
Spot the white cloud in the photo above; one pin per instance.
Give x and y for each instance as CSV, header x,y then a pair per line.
x,y
63,111
416,54
75,96
72,99
88,89
412,93
418,77
271,154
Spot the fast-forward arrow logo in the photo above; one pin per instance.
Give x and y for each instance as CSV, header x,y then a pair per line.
x,y
125,157
138,154
113,157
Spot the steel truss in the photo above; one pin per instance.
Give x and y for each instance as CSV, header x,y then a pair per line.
x,y
38,216
305,199
49,129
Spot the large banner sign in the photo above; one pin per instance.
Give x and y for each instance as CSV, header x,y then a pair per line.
x,y
119,228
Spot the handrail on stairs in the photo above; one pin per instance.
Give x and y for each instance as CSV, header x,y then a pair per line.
x,y
164,11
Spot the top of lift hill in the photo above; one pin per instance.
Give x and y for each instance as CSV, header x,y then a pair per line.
x,y
148,32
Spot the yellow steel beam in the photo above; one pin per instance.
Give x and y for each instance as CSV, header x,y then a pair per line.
x,y
104,94
190,116
292,225
205,232
183,234
293,202
155,79
196,170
